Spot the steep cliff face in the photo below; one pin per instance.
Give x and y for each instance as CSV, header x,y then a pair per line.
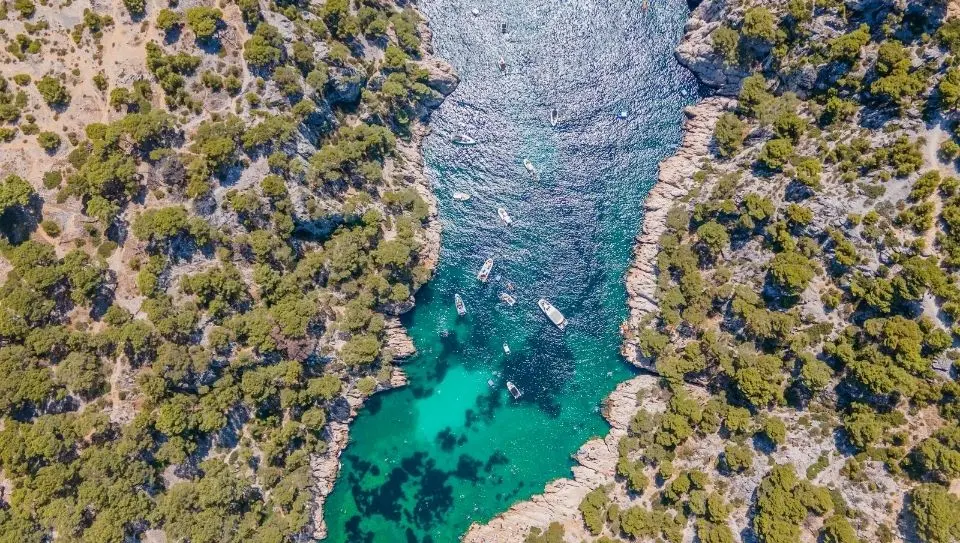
x,y
674,182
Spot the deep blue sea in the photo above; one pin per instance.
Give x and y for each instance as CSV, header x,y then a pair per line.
x,y
427,460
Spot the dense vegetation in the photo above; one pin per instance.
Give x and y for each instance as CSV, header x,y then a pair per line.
x,y
172,352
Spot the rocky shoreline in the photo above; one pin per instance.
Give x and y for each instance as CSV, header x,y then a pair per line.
x,y
409,166
597,459
673,183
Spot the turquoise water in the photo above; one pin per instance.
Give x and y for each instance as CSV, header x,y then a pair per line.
x,y
427,460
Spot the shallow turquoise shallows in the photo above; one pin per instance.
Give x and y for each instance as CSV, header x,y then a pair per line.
x,y
427,460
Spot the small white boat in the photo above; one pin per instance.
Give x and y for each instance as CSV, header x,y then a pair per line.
x,y
529,166
504,216
514,391
507,299
485,271
490,383
503,65
555,316
464,139
554,117
506,348
622,114
461,308
461,196
475,12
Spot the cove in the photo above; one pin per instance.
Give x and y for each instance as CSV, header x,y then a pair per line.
x,y
427,460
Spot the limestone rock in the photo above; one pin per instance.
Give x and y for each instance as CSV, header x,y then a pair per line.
x,y
675,180
696,53
344,86
597,462
397,340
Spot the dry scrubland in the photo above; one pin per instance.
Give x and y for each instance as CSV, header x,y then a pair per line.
x,y
794,291
211,216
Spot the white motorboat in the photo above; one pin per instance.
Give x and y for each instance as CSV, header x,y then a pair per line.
x,y
461,196
504,216
484,273
464,139
555,316
514,391
490,383
554,117
475,12
506,348
623,114
529,166
507,299
503,65
461,308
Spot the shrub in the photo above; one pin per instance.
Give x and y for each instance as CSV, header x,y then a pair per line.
x,y
26,8
168,19
774,429
949,150
807,171
753,95
203,21
50,141
737,458
726,43
52,179
789,125
714,237
776,153
263,49
135,7
51,228
360,350
815,374
729,134
792,272
847,48
759,23
53,91
937,514
592,507
554,534
15,191
838,109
